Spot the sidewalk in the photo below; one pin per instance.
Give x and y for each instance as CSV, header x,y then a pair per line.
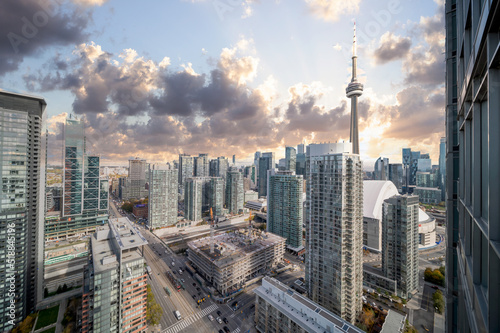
x,y
438,323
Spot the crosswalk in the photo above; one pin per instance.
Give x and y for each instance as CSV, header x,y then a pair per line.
x,y
236,330
190,320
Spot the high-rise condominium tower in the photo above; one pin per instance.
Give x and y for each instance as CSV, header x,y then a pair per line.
x,y
163,198
186,168
137,169
22,165
193,198
400,242
234,192
334,228
266,162
290,158
284,206
472,166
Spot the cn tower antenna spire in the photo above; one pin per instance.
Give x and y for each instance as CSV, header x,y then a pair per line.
x,y
353,91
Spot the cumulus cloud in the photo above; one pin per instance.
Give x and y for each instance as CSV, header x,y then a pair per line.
x,y
30,28
391,48
90,2
332,10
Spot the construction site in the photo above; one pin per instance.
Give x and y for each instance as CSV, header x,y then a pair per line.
x,y
229,260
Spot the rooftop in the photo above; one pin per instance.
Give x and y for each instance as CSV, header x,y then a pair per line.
x,y
309,315
231,247
394,322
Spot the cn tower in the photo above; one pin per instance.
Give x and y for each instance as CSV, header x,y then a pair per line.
x,y
353,91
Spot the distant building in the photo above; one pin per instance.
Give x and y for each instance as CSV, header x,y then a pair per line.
x,y
428,195
193,199
250,172
250,195
266,162
115,287
400,242
282,164
300,149
284,207
424,165
258,205
137,179
234,192
234,159
219,167
186,168
163,196
237,258
290,158
201,166
426,179
396,175
276,305
300,165
381,169
216,195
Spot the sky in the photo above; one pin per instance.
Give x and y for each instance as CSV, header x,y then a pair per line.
x,y
153,79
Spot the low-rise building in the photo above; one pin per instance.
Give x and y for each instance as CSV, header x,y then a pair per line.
x,y
140,211
280,309
237,257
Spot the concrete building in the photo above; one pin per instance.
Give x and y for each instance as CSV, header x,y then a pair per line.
x,y
193,199
266,162
334,228
219,167
400,242
163,196
284,207
186,168
424,165
238,256
426,179
115,285
250,196
234,192
258,205
22,208
290,158
300,165
282,164
201,166
250,172
216,195
85,196
279,309
140,211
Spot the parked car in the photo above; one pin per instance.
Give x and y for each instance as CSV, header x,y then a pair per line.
x,y
227,330
225,320
211,317
219,320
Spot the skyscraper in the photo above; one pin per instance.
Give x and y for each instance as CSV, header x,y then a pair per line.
x,y
334,229
442,167
266,162
400,242
193,199
396,175
216,195
472,166
186,168
353,91
85,194
136,182
284,206
219,167
290,157
22,154
201,166
234,192
163,198
381,169
300,149
115,281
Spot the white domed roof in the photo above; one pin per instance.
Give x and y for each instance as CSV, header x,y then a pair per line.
x,y
374,194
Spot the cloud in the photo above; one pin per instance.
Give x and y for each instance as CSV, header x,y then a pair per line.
x,y
331,10
391,48
30,29
90,2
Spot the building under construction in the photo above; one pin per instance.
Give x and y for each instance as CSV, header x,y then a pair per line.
x,y
236,257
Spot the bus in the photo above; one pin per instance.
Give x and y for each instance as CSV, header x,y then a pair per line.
x,y
167,291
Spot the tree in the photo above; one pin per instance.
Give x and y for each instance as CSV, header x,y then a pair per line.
x,y
26,325
153,309
438,299
59,289
367,317
64,288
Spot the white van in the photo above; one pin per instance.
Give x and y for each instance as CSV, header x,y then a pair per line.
x,y
178,315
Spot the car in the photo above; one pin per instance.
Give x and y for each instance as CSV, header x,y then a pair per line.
x,y
211,317
219,320
198,288
194,284
435,287
199,293
221,331
219,313
193,296
227,330
182,280
225,320
174,272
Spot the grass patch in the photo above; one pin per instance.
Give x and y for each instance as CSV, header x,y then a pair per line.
x,y
47,317
50,330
